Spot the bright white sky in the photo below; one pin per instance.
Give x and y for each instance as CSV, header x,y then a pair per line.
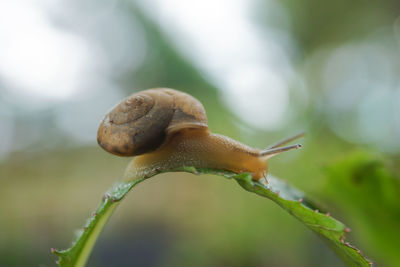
x,y
250,66
38,59
42,61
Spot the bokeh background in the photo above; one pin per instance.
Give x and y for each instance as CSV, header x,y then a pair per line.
x,y
264,70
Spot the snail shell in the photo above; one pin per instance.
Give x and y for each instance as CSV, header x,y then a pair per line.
x,y
143,121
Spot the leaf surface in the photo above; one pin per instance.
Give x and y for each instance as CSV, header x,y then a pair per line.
x,y
287,197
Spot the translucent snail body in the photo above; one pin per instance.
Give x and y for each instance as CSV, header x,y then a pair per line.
x,y
192,147
165,129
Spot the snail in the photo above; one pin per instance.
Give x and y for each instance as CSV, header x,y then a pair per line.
x,y
166,129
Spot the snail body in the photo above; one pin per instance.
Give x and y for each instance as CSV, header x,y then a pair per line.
x,y
165,129
191,147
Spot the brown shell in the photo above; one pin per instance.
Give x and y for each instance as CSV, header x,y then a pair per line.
x,y
142,122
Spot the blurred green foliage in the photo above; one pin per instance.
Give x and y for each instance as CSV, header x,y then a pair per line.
x,y
317,24
364,189
47,192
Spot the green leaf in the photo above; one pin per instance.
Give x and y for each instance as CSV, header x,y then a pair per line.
x,y
78,254
369,194
289,198
294,202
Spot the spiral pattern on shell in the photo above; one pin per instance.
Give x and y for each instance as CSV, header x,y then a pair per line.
x,y
143,121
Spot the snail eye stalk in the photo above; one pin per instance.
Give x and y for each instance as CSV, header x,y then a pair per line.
x,y
275,151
